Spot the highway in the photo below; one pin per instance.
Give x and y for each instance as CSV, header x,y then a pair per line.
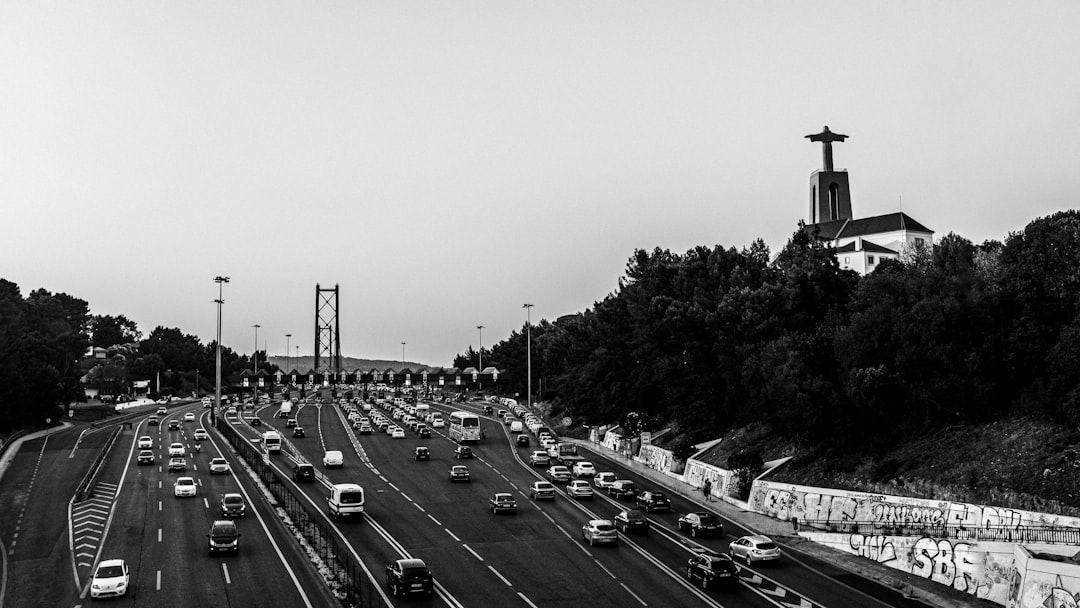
x,y
535,557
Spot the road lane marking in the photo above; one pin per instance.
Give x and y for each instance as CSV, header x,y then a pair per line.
x,y
206,502
159,535
640,601
602,567
158,584
477,555
452,535
527,600
225,569
432,518
159,505
501,577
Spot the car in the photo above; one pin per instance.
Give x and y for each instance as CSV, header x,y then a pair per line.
x,y
424,433
542,490
712,570
174,425
406,576
290,423
303,472
201,435
755,548
653,501
161,411
333,458
579,489
254,421
631,520
153,421
189,417
700,524
559,474
583,468
488,409
233,505
463,451
604,479
522,441
224,537
231,411
219,466
298,431
145,443
459,473
502,501
365,429
438,423
177,464
111,579
184,486
146,457
421,453
176,449
399,433
599,531
538,459
390,429
622,488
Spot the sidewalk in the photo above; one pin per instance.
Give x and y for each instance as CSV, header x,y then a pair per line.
x,y
912,586
12,449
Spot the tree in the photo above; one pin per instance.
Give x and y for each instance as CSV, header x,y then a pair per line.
x,y
107,330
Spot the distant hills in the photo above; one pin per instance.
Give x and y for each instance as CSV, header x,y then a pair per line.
x,y
349,363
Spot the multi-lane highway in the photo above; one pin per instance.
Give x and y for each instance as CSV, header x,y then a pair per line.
x,y
535,557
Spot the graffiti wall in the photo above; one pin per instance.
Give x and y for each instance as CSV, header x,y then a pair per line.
x,y
1044,581
720,479
983,569
784,501
657,458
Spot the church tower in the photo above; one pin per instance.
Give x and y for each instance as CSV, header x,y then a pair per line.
x,y
830,193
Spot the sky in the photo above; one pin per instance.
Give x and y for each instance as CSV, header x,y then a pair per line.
x,y
444,163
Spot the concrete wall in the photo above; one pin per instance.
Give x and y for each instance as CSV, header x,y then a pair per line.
x,y
784,501
1039,583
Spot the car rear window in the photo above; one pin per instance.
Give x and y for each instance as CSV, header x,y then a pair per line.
x,y
766,546
605,527
708,519
349,497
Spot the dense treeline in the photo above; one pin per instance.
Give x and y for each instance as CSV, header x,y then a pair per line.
x,y
717,338
44,339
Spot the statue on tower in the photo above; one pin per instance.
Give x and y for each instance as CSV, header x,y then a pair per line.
x,y
827,137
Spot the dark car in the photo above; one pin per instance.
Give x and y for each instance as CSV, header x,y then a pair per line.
x,y
146,457
463,451
653,501
631,520
152,421
290,423
459,473
713,570
409,576
701,524
224,536
622,488
233,505
298,431
255,421
174,425
424,433
303,472
421,453
502,501
522,441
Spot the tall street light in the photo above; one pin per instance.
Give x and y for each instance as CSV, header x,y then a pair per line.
x,y
481,328
255,364
528,328
217,383
288,339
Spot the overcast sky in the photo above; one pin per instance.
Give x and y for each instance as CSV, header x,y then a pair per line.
x,y
446,162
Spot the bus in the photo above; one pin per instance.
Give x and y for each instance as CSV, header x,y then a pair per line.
x,y
464,427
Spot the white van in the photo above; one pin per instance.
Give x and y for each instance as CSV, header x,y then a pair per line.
x,y
516,427
272,442
333,458
345,500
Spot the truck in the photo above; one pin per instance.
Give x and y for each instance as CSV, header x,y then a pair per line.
x,y
286,409
272,442
567,454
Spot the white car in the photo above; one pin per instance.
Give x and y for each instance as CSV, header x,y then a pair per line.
x,y
110,579
603,480
176,449
201,435
583,469
189,417
184,486
600,531
145,443
218,465
579,489
398,433
755,548
438,423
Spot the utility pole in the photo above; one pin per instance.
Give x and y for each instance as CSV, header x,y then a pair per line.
x,y
528,328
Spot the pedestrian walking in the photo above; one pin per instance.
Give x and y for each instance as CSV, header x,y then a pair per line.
x,y
706,489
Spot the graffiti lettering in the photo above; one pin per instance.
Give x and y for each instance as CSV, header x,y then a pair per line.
x,y
877,548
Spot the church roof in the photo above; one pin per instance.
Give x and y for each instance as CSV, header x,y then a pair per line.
x,y
840,229
867,246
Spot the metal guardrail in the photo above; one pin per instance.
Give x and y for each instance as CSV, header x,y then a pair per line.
x,y
351,584
95,468
1017,534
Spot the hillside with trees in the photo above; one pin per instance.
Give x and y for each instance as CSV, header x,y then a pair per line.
x,y
851,369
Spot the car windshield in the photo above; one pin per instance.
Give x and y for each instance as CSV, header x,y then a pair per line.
x,y
222,529
185,482
110,571
544,486
233,500
218,461
634,514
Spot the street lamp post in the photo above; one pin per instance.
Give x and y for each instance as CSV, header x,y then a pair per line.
x,y
255,365
481,353
288,339
217,383
528,328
